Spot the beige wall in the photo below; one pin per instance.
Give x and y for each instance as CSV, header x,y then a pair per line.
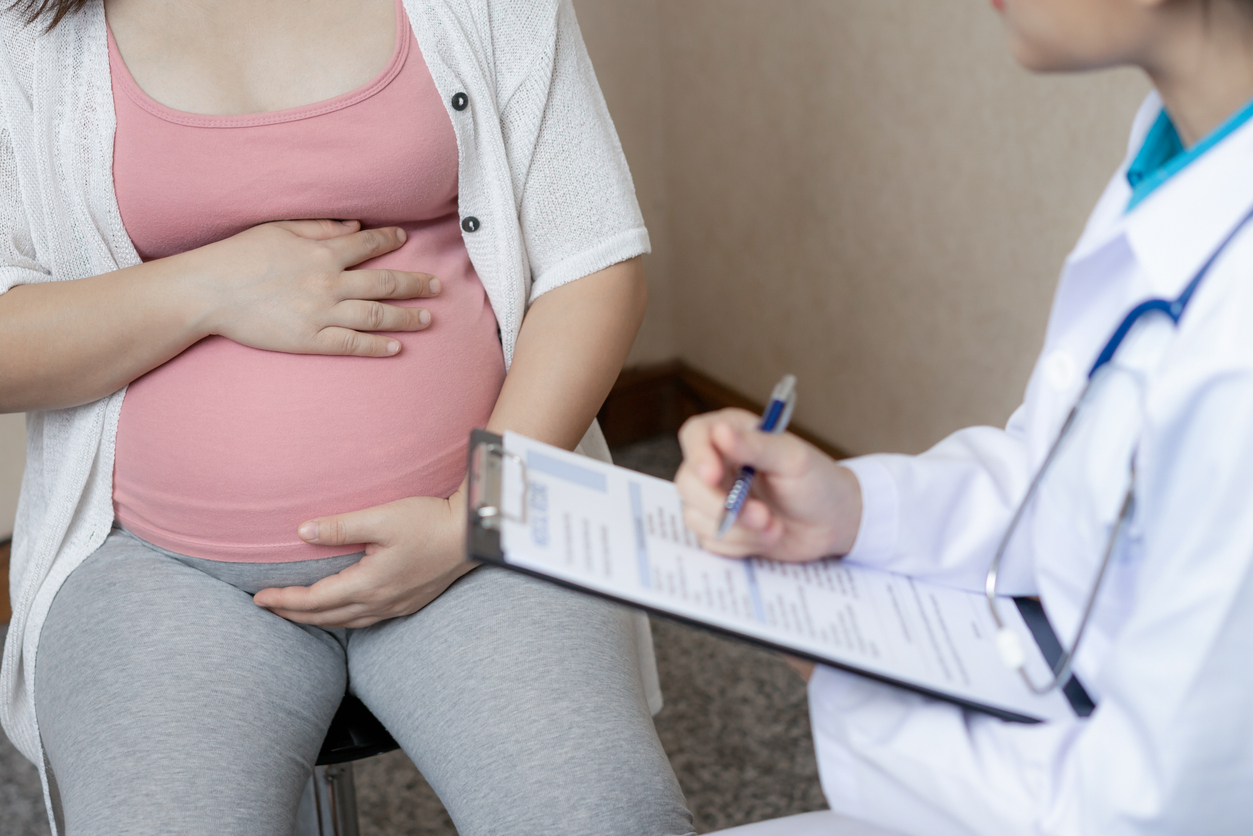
x,y
624,39
868,193
12,460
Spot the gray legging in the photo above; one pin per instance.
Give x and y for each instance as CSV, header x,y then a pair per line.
x,y
170,703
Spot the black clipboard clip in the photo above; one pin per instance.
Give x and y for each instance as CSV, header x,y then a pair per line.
x,y
487,481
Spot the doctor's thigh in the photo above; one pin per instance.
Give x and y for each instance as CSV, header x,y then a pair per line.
x,y
822,823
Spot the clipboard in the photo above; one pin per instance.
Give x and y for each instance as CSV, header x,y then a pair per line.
x,y
499,495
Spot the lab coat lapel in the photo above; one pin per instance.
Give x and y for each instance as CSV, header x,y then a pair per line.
x,y
1154,251
1176,230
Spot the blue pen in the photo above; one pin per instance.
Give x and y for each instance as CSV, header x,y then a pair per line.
x,y
774,421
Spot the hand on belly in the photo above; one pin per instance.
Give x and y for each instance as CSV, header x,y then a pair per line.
x,y
288,286
414,550
225,449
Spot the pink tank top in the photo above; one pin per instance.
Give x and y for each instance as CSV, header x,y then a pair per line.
x,y
224,450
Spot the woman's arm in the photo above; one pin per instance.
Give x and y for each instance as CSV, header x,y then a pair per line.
x,y
280,286
573,343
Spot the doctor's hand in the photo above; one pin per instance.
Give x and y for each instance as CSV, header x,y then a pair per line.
x,y
803,504
414,550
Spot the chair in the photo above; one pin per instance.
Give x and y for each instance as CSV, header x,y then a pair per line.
x,y
329,804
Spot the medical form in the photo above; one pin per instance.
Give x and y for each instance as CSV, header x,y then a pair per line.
x,y
620,534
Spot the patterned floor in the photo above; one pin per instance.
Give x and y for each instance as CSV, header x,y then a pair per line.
x,y
735,726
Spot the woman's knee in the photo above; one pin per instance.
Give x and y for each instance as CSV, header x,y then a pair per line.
x,y
166,704
523,706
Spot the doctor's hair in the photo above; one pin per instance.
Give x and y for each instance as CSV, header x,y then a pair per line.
x,y
51,11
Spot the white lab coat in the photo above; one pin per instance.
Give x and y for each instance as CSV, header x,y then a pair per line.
x,y
1169,653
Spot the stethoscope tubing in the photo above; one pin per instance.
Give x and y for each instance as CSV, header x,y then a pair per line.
x,y
1008,642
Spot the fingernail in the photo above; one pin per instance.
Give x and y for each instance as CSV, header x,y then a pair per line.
x,y
393,347
435,286
402,235
424,316
309,532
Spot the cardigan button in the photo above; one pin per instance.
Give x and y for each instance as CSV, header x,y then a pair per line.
x,y
470,224
460,101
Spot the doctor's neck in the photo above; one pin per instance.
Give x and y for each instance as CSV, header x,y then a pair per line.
x,y
1204,72
1197,53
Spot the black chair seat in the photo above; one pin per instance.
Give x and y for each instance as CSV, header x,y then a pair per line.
x,y
354,734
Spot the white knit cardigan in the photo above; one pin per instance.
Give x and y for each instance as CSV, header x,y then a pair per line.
x,y
540,168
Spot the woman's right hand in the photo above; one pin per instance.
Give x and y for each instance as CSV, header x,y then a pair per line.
x,y
804,505
286,286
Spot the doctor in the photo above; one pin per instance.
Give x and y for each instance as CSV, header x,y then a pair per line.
x,y
1143,508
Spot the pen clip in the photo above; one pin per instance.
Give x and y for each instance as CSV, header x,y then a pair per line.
x,y
785,391
788,406
487,489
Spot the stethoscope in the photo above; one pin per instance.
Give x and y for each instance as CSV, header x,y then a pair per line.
x,y
1008,643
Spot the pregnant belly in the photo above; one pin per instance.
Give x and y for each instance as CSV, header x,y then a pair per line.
x,y
223,451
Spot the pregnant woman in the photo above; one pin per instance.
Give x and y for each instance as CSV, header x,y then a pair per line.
x,y
263,265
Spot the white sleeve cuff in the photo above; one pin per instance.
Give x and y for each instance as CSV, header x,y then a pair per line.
x,y
876,535
615,250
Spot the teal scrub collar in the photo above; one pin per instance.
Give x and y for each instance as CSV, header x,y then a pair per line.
x,y
1162,155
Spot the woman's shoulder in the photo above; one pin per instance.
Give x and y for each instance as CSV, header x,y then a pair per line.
x,y
513,27
17,39
504,17
513,36
20,38
539,14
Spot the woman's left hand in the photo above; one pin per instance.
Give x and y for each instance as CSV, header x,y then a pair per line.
x,y
573,342
414,550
